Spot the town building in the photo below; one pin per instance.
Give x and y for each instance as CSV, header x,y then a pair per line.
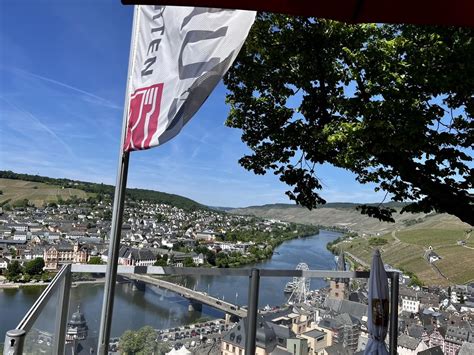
x,y
317,341
77,327
233,343
338,288
64,253
455,337
408,345
410,302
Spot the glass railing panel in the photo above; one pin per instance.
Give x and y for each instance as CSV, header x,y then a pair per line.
x,y
188,310
41,337
14,304
179,321
173,317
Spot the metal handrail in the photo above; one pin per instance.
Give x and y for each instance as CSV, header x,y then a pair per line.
x,y
15,338
189,271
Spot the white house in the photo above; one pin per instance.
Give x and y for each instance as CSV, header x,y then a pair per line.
x,y
3,264
199,259
410,300
431,256
167,243
410,305
206,235
76,235
21,237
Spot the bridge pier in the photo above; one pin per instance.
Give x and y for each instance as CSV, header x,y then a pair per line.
x,y
194,306
138,285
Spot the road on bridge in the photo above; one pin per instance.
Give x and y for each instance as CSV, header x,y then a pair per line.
x,y
197,296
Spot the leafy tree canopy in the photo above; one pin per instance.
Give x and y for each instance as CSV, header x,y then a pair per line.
x,y
95,260
14,270
160,262
391,103
142,341
35,266
188,262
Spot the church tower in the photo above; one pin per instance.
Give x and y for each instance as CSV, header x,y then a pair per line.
x,y
76,330
339,287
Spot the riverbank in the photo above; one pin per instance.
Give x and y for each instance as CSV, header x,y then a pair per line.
x,y
8,285
22,284
265,246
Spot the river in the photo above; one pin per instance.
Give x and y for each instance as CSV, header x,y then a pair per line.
x,y
162,309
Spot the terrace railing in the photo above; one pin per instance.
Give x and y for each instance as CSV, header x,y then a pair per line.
x,y
57,290
16,340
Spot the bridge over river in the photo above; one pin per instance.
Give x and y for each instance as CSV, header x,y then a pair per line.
x,y
196,298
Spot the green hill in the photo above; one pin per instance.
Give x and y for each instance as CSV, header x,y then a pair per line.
x,y
38,193
403,244
406,249
339,215
42,189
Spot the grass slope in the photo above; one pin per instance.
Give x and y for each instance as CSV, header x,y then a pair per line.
x,y
405,249
407,239
328,216
94,188
36,192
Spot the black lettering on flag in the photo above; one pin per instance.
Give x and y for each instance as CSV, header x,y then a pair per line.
x,y
148,63
153,46
158,16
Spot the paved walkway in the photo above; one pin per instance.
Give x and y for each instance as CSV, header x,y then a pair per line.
x,y
394,235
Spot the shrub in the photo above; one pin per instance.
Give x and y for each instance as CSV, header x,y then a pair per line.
x,y
377,241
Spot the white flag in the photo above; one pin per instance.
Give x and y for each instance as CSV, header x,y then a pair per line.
x,y
179,56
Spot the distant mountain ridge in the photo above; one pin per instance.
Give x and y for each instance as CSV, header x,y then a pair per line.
x,y
392,204
99,188
345,216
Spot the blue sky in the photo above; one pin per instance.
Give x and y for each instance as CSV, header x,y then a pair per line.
x,y
63,67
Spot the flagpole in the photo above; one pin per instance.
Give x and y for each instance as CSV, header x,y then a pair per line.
x,y
117,214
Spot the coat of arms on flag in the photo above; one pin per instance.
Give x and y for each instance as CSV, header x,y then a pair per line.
x,y
143,116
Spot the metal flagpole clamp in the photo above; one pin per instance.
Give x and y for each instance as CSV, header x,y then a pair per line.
x,y
14,341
